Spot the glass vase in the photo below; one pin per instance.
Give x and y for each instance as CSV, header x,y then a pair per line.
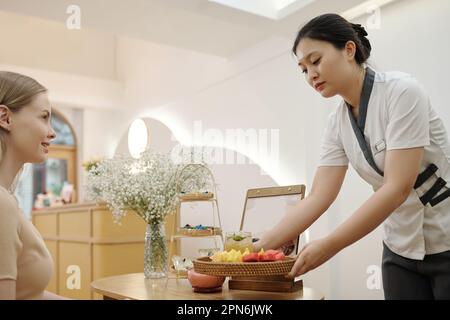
x,y
155,251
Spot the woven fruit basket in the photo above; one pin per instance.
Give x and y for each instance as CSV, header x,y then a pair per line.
x,y
229,269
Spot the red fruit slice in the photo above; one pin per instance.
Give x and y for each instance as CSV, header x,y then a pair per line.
x,y
251,257
279,256
267,257
271,251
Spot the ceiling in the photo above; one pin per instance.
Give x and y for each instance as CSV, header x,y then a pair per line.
x,y
273,9
198,25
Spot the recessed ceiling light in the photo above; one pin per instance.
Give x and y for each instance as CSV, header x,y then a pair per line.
x,y
272,9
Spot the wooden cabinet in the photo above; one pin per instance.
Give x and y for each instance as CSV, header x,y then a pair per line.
x,y
87,245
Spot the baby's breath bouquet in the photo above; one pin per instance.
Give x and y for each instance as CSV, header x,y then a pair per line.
x,y
150,187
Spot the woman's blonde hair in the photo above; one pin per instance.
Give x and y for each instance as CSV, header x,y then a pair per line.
x,y
16,91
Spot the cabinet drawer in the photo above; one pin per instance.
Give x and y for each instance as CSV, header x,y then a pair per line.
x,y
103,225
46,224
108,259
74,224
74,268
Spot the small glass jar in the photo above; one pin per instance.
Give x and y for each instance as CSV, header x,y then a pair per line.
x,y
238,240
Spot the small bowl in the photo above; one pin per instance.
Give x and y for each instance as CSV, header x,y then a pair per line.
x,y
204,283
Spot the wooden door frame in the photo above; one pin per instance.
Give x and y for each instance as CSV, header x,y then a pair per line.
x,y
68,153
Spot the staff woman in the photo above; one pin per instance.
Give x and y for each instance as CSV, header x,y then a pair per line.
x,y
387,129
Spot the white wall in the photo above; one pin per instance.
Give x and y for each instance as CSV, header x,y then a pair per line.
x,y
269,93
250,99
156,74
413,38
44,44
260,88
73,90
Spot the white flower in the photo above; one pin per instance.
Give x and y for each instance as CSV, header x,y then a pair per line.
x,y
149,185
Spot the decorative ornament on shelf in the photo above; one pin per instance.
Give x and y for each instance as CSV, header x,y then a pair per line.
x,y
198,230
150,187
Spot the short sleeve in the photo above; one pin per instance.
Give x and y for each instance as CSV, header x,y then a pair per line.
x,y
332,151
408,116
10,243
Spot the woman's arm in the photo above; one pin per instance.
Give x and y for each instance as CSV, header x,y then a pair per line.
x,y
325,188
7,289
401,171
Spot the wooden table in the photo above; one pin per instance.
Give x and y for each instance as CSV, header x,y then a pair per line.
x,y
135,287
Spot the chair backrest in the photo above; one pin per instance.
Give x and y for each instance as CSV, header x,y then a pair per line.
x,y
264,207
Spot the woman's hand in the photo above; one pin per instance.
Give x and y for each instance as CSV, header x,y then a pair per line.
x,y
312,255
287,248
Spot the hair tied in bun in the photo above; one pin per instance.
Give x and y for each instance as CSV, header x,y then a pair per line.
x,y
359,29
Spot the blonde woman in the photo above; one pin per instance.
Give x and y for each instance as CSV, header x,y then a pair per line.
x,y
25,135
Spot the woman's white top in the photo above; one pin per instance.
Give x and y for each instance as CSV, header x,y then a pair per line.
x,y
399,116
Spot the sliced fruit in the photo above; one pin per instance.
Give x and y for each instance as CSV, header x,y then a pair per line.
x,y
267,257
279,256
251,257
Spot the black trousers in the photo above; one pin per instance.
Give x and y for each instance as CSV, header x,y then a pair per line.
x,y
405,278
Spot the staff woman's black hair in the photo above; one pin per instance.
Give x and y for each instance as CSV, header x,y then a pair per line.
x,y
336,30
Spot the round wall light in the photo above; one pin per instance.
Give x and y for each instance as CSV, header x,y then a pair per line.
x,y
137,138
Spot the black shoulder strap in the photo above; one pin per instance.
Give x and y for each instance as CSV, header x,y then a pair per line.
x,y
358,127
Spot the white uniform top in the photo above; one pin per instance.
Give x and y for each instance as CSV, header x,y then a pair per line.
x,y
399,116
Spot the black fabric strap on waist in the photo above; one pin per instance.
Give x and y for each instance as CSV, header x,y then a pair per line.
x,y
425,175
440,183
437,186
444,195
